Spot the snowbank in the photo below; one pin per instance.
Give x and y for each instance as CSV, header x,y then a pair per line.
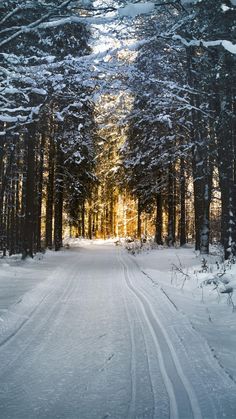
x,y
206,296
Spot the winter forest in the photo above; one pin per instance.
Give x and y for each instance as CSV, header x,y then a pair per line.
x,y
117,120
117,209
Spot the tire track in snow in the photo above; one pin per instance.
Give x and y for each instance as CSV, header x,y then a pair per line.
x,y
54,310
206,376
25,319
153,386
166,379
183,401
153,380
131,411
156,283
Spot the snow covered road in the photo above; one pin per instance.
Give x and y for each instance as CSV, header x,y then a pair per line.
x,y
98,339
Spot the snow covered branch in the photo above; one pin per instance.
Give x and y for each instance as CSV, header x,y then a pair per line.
x,y
228,45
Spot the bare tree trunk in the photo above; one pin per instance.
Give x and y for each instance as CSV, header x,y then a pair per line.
x,y
200,166
159,219
90,232
139,220
171,211
182,203
58,203
18,237
83,219
40,194
226,145
4,195
50,194
28,236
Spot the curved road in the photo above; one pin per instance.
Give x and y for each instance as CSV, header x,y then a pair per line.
x,y
97,339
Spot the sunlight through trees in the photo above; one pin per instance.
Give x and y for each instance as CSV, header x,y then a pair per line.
x,y
117,119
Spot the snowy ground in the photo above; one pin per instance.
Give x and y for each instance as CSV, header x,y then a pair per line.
x,y
198,298
92,332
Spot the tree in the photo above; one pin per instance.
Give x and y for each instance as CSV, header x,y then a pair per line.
x,y
40,88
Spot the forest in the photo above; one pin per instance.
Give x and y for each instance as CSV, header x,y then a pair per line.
x,y
117,119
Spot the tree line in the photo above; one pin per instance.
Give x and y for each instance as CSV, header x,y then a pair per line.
x,y
46,142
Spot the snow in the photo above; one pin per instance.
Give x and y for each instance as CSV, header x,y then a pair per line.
x,y
225,8
84,333
87,2
18,277
74,19
204,306
189,1
42,92
8,118
228,45
133,10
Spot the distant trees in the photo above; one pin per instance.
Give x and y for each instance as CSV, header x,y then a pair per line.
x,y
160,147
156,151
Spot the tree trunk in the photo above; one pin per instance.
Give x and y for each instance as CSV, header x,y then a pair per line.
x,y
28,236
226,145
200,165
50,194
58,204
139,220
159,219
182,203
171,210
40,194
90,232
83,220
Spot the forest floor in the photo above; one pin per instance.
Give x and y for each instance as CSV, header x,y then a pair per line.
x,y
93,332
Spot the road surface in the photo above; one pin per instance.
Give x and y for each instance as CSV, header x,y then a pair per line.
x,y
97,340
